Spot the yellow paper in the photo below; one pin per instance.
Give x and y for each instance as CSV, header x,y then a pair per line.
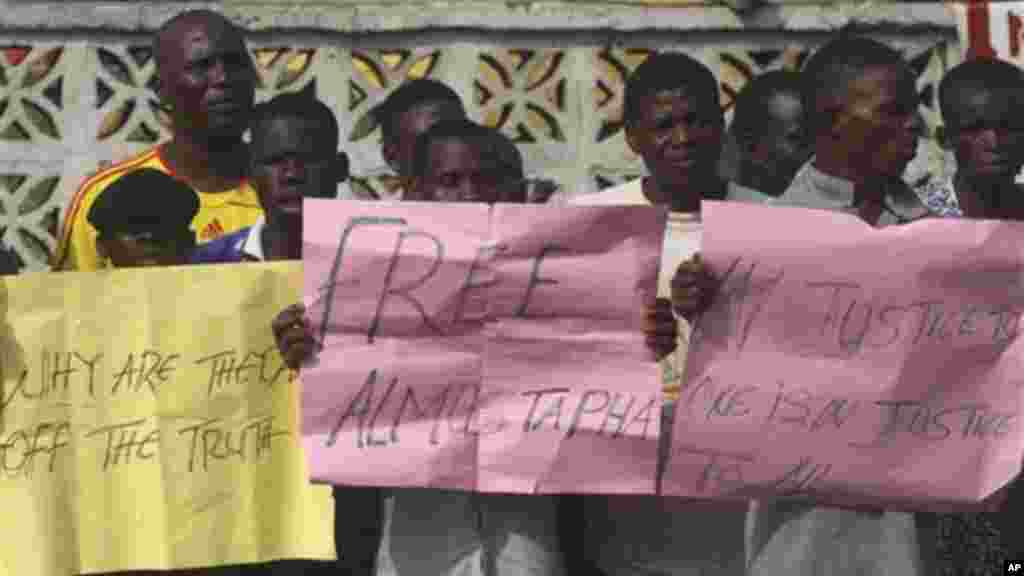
x,y
173,442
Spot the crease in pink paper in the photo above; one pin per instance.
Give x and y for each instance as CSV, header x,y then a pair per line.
x,y
496,350
851,364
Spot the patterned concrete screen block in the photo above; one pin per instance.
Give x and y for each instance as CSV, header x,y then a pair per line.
x,y
551,77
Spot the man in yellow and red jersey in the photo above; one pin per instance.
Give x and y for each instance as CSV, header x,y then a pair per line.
x,y
207,84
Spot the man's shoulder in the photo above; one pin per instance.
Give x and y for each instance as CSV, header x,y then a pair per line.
x,y
227,248
95,184
627,193
149,158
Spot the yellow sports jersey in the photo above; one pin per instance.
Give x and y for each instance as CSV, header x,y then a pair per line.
x,y
219,213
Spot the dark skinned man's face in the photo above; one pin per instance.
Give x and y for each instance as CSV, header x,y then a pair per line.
x,y
416,121
292,159
207,77
457,173
679,135
987,132
784,146
878,124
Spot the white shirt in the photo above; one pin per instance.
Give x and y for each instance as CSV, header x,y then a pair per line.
x,y
651,535
792,539
252,244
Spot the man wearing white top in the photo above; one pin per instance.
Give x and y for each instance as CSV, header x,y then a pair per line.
x,y
862,103
673,120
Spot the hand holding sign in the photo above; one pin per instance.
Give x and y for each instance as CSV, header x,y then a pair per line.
x,y
492,349
293,336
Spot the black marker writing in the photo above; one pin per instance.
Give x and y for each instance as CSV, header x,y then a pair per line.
x,y
928,422
127,441
405,292
722,471
150,370
229,368
799,408
800,479
19,450
529,424
741,299
54,378
215,439
536,279
332,284
618,409
726,401
483,255
358,407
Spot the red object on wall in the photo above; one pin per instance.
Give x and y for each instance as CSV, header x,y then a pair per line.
x,y
979,39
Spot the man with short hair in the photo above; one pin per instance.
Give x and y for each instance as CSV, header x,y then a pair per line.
x,y
983,128
207,84
673,120
461,161
862,109
407,113
986,134
144,219
861,103
294,154
769,132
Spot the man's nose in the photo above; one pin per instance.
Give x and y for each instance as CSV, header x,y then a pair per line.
x,y
681,134
294,169
218,72
469,190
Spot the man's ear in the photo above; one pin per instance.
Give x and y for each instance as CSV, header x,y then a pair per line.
x,y
834,117
633,139
163,102
389,149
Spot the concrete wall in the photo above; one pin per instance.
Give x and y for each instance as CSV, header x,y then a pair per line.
x,y
74,77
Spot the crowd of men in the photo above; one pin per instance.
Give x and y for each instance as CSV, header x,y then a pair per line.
x,y
836,136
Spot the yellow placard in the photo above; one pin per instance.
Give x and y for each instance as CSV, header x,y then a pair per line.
x,y
147,422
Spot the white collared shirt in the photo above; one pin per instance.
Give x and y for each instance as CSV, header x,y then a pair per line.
x,y
252,244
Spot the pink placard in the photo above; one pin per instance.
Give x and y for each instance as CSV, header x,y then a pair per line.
x,y
476,348
853,365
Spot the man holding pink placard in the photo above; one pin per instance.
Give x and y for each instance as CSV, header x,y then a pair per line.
x,y
861,102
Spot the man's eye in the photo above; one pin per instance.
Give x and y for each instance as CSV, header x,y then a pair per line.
x,y
663,124
196,65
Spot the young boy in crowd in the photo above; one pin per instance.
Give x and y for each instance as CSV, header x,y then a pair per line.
x,y
144,218
673,120
407,113
983,128
861,103
294,155
986,135
461,161
769,133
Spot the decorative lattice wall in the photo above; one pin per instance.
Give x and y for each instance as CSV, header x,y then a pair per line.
x,y
71,101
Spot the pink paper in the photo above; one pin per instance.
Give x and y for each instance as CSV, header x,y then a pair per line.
x,y
853,364
534,379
